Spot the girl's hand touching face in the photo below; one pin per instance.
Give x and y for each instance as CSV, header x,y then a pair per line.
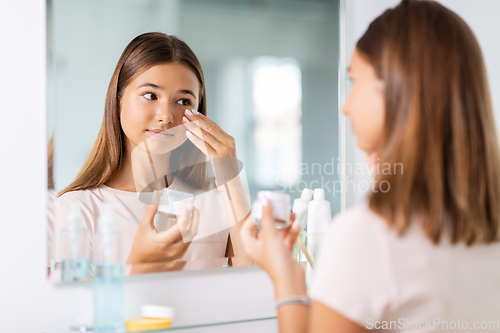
x,y
208,136
211,139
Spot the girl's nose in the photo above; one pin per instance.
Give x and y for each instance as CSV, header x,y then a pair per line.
x,y
345,110
165,114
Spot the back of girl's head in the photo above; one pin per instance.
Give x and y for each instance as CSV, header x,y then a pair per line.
x,y
439,124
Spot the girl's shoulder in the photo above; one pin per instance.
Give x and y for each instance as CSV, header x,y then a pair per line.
x,y
360,218
77,195
81,195
92,197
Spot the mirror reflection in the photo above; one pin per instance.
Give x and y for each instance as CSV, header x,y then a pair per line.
x,y
167,117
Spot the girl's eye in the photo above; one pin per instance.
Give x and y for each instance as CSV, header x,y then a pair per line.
x,y
151,96
184,101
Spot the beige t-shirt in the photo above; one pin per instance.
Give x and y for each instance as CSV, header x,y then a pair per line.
x,y
369,275
207,250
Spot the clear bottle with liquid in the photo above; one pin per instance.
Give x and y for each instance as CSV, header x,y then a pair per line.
x,y
75,247
108,274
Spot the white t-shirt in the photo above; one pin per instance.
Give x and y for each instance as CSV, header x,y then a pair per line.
x,y
368,274
208,248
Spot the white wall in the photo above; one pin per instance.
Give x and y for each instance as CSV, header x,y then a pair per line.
x,y
482,17
28,302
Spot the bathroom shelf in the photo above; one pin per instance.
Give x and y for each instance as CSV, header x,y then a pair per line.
x,y
269,323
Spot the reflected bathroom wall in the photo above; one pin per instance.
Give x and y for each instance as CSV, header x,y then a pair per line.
x,y
271,73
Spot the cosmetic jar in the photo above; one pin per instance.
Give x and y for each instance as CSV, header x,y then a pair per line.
x,y
281,208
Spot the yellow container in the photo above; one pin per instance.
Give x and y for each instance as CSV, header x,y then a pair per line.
x,y
146,324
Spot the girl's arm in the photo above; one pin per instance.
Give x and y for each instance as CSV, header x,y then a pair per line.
x,y
272,250
220,147
237,209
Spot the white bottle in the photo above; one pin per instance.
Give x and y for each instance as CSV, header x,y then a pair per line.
x,y
319,216
75,246
300,207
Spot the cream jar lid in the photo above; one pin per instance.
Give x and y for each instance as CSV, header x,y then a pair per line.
x,y
158,311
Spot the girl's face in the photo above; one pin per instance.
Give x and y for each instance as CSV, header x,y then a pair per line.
x,y
153,105
366,104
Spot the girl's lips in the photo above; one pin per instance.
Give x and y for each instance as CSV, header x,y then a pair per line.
x,y
161,134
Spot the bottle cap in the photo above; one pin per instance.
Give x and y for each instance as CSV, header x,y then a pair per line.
x,y
307,194
158,311
319,194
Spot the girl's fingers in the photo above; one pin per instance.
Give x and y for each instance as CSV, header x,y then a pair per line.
x,y
194,225
188,223
185,247
175,232
285,231
248,226
210,127
201,144
207,137
172,235
183,221
176,251
292,237
267,220
149,214
203,125
207,121
247,235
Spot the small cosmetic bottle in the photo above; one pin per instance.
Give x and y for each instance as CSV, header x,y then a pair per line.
x,y
281,208
108,275
300,207
75,247
319,216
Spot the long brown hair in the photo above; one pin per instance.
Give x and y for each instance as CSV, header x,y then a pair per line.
x,y
439,124
142,53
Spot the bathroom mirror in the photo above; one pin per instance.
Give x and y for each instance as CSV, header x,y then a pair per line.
x,y
271,75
